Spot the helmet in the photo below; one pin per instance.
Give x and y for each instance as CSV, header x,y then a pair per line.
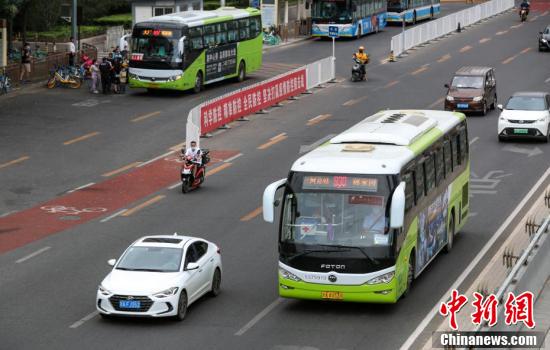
x,y
361,48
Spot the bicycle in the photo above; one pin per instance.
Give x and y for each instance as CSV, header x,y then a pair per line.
x,y
271,38
61,76
5,82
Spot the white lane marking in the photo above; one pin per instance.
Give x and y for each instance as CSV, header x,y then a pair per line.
x,y
259,316
81,187
230,159
174,185
420,328
8,213
154,159
474,140
113,215
84,319
32,255
472,215
547,80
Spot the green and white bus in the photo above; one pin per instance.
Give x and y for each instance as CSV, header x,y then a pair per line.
x,y
363,214
186,50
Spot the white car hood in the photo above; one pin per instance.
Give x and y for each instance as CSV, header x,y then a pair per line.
x,y
523,115
139,282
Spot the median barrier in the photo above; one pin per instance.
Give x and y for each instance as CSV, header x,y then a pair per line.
x,y
218,112
439,27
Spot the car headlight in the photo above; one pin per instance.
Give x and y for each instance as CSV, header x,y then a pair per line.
x,y
103,290
543,40
289,275
478,98
450,98
543,119
385,278
166,293
502,118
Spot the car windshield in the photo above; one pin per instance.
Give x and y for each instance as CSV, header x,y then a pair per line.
x,y
526,103
547,30
154,259
467,82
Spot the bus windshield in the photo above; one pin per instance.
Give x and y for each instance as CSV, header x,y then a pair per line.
x,y
333,11
155,48
396,5
346,214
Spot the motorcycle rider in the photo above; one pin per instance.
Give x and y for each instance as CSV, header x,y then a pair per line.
x,y
525,6
196,156
362,56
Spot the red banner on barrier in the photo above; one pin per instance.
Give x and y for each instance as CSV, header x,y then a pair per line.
x,y
250,100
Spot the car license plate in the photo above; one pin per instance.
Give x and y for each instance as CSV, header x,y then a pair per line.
x,y
521,131
129,304
332,295
462,105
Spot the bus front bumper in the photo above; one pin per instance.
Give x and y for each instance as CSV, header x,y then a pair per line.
x,y
378,293
165,85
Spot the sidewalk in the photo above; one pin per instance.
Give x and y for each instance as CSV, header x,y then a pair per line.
x,y
542,314
289,42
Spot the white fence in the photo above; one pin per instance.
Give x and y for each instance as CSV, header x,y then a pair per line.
x,y
316,73
444,25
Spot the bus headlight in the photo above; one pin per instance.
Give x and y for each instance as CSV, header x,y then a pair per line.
x,y
288,275
174,77
316,28
132,76
478,98
385,278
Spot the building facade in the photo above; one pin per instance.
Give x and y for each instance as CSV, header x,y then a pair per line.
x,y
145,9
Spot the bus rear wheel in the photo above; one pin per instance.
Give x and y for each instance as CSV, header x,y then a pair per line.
x,y
414,17
450,234
242,72
410,275
198,83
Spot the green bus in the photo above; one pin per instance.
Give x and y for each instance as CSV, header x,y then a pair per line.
x,y
365,213
187,50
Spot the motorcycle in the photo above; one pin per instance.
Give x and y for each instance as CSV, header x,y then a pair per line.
x,y
523,14
188,180
357,72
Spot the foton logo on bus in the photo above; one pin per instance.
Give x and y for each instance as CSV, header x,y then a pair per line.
x,y
250,100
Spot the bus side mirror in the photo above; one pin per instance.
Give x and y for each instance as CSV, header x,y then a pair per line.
x,y
269,201
307,5
397,210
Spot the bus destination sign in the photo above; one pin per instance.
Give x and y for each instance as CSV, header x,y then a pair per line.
x,y
340,182
157,32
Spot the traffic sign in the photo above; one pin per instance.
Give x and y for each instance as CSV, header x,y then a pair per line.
x,y
333,31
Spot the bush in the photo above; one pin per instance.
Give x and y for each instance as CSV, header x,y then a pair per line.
x,y
123,19
63,33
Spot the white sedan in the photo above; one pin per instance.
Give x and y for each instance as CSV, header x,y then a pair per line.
x,y
527,114
160,276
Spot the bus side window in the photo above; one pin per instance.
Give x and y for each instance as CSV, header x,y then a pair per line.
x,y
232,31
244,31
255,27
448,157
463,145
210,35
429,167
455,144
195,35
409,190
439,166
419,182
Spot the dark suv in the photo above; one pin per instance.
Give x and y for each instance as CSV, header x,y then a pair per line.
x,y
472,89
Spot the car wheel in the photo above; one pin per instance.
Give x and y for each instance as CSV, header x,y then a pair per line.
x,y
450,234
501,138
494,104
105,316
198,83
182,306
410,276
216,283
484,111
547,137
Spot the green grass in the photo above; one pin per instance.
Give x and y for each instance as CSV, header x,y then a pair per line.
x,y
123,19
63,33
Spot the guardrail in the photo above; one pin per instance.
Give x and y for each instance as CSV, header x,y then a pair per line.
x,y
217,112
444,25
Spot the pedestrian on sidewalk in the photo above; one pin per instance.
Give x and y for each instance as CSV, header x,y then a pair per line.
x,y
26,57
72,52
105,69
54,47
96,76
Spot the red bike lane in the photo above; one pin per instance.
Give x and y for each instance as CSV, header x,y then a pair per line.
x,y
89,203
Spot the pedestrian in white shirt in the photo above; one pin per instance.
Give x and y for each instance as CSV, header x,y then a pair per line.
x,y
72,52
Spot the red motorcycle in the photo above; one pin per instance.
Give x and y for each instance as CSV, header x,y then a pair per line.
x,y
192,173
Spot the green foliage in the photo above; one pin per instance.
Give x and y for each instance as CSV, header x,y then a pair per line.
x,y
123,19
63,33
210,5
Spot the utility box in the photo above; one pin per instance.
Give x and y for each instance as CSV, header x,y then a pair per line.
x,y
3,43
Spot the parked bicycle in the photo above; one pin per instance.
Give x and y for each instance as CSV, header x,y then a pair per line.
x,y
5,82
270,36
64,76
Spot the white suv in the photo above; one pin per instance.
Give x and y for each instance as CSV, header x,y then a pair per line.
x,y
527,114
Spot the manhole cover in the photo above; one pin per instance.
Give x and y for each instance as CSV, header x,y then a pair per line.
x,y
70,217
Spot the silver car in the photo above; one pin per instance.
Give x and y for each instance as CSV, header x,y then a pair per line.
x,y
544,39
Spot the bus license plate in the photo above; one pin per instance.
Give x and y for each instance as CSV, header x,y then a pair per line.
x,y
462,105
520,131
332,295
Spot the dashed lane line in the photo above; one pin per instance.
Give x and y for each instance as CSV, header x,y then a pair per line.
x,y
81,138
444,58
259,317
252,214
84,319
354,101
318,119
230,159
81,187
122,169
143,205
502,32
146,116
32,255
484,40
465,49
436,103
419,70
15,161
472,141
218,169
391,83
273,140
112,216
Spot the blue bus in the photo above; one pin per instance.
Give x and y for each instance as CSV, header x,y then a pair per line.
x,y
353,18
412,10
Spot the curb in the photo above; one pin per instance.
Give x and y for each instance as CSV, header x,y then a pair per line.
x,y
286,44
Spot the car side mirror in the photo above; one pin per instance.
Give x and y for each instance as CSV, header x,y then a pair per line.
x,y
540,32
446,85
397,210
191,266
111,262
500,107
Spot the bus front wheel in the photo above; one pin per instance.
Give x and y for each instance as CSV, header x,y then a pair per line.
x,y
242,72
198,83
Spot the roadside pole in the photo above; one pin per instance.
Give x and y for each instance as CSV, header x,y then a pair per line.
x,y
73,22
333,33
403,32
